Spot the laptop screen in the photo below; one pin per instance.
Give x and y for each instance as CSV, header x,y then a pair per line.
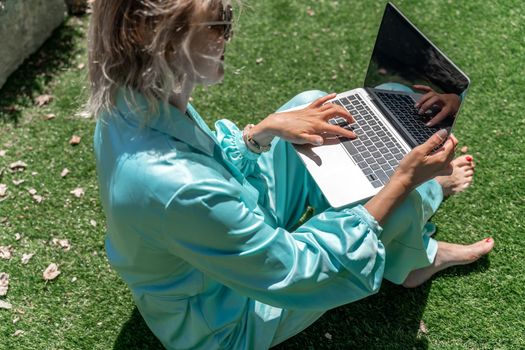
x,y
404,57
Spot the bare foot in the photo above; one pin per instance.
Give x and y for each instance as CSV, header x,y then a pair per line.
x,y
461,177
449,254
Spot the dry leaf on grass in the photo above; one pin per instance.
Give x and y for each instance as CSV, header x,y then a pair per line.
x,y
259,60
423,327
18,182
3,190
73,280
328,336
62,243
5,305
464,149
18,236
18,165
26,257
93,223
51,272
2,153
6,252
38,198
83,114
32,191
64,172
49,116
310,12
81,66
78,192
4,283
43,100
18,332
75,140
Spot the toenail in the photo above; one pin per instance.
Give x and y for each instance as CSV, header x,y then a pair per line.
x,y
488,240
469,158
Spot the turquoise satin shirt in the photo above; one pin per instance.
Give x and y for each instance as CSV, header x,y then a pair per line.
x,y
196,231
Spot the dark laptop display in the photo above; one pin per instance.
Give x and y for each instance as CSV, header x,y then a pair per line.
x,y
404,57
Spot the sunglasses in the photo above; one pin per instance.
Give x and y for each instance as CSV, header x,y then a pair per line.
x,y
224,23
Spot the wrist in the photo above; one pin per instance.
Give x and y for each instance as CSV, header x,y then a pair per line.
x,y
262,133
402,182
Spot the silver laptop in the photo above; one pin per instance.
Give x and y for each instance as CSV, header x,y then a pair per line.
x,y
403,68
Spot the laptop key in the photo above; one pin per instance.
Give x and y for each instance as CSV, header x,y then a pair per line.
x,y
350,148
382,176
377,183
367,171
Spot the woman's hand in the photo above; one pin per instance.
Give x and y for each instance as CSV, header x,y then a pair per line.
x,y
448,103
417,167
306,125
421,164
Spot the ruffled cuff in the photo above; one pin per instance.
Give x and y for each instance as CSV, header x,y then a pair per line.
x,y
231,141
366,219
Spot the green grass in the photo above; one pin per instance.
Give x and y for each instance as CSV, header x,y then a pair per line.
x,y
476,307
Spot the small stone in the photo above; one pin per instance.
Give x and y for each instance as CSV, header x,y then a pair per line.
x,y
32,191
18,332
328,336
64,172
93,223
259,60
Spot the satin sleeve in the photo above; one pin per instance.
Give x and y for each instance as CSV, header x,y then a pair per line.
x,y
231,141
334,258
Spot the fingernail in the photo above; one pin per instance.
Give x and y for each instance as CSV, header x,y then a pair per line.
x,y
443,133
420,111
416,105
488,239
468,158
319,142
428,124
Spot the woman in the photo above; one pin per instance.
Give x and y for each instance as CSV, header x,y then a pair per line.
x,y
199,221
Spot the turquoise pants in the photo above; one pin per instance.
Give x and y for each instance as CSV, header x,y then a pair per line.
x,y
406,233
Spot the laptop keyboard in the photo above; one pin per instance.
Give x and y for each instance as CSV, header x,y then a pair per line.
x,y
402,106
375,151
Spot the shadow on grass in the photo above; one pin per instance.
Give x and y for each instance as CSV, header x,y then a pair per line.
x,y
388,320
135,334
37,71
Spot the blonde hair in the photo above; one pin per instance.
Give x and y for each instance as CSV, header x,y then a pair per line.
x,y
141,45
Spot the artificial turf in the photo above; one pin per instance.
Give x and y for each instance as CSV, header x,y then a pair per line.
x,y
303,45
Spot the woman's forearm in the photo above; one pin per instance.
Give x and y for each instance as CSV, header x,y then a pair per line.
x,y
385,201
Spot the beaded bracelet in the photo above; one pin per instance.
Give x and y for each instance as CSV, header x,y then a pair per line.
x,y
251,143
